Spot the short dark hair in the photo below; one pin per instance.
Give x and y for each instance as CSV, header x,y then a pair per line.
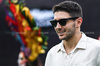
x,y
73,8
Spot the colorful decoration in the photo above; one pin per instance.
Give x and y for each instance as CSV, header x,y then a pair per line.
x,y
24,28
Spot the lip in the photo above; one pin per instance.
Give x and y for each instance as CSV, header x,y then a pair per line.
x,y
61,33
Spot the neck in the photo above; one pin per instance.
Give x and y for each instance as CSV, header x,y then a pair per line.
x,y
69,45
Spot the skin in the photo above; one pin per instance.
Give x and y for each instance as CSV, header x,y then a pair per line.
x,y
70,33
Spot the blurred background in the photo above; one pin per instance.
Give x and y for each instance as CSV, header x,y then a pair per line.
x,y
10,47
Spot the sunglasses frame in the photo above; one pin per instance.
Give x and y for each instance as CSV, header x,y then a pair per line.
x,y
62,22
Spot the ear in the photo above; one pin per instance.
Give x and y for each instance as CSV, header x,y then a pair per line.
x,y
79,22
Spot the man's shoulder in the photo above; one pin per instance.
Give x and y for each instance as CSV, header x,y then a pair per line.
x,y
93,41
55,48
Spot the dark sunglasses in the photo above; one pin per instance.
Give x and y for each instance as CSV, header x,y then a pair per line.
x,y
62,22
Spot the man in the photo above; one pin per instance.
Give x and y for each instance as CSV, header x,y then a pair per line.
x,y
76,49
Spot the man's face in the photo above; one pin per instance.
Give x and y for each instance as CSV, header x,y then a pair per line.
x,y
67,31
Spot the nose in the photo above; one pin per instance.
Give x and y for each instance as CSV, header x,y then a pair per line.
x,y
58,25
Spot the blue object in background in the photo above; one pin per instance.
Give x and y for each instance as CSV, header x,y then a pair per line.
x,y
42,17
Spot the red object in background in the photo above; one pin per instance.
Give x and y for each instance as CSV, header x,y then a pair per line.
x,y
0,1
13,8
10,20
99,38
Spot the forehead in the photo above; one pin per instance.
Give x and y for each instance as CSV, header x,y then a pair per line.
x,y
61,14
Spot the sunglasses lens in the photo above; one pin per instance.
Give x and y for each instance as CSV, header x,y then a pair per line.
x,y
62,22
54,23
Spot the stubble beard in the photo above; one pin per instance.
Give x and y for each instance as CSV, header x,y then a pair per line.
x,y
69,34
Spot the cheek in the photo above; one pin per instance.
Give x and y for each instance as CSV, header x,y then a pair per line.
x,y
69,25
55,28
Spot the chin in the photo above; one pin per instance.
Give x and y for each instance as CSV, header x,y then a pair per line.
x,y
62,38
65,38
